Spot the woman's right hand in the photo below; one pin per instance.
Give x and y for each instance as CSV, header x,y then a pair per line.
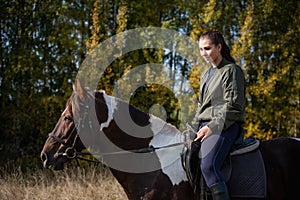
x,y
203,133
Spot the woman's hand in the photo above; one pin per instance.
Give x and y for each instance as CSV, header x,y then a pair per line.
x,y
203,133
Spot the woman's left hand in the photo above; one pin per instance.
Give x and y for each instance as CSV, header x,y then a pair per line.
x,y
203,133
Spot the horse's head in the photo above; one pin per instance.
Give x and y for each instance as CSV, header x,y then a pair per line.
x,y
64,142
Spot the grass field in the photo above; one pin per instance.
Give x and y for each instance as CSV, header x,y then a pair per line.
x,y
76,183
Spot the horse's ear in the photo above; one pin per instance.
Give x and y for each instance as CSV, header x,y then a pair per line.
x,y
77,88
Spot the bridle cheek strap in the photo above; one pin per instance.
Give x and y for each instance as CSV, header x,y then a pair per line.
x,y
70,151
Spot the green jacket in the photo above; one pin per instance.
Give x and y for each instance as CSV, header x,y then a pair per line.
x,y
223,101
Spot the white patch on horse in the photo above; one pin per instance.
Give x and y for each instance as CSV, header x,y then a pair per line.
x,y
64,111
166,134
111,105
298,139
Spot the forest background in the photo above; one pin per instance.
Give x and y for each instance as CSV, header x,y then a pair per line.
x,y
43,44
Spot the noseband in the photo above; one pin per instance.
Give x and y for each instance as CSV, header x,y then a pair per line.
x,y
70,151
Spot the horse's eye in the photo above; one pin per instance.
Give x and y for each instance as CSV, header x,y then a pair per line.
x,y
68,118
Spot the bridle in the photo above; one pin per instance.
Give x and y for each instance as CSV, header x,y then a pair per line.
x,y
71,152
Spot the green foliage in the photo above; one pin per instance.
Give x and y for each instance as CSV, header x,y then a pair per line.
x,y
157,100
266,49
42,44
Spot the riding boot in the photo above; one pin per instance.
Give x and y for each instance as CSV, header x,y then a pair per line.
x,y
219,191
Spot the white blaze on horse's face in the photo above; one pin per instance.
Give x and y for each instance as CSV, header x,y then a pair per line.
x,y
64,111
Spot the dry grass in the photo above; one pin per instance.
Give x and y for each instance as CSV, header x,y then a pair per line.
x,y
71,184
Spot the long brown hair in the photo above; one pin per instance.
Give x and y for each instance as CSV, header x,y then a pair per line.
x,y
217,38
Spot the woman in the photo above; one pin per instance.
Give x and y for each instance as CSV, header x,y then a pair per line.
x,y
220,111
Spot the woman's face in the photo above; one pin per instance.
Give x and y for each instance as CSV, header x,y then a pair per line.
x,y
210,52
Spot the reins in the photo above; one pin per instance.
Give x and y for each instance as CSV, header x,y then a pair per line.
x,y
71,152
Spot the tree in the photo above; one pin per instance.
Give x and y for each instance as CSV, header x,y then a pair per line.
x,y
42,43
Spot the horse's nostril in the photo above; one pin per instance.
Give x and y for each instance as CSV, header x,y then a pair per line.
x,y
44,156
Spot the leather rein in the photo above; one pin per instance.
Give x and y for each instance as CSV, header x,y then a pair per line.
x,y
72,153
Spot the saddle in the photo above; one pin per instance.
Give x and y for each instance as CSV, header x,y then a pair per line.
x,y
243,169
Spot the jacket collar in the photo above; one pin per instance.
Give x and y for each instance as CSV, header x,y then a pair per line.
x,y
223,63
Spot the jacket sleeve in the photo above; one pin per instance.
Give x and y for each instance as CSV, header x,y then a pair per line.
x,y
195,121
233,107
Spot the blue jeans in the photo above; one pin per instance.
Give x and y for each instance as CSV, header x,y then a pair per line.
x,y
213,152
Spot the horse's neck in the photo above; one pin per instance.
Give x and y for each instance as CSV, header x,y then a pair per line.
x,y
138,124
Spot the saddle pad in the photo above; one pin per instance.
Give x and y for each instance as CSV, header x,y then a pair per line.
x,y
248,177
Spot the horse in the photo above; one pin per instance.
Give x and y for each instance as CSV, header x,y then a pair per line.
x,y
144,153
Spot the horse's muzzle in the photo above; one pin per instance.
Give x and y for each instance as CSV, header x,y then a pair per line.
x,y
49,162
